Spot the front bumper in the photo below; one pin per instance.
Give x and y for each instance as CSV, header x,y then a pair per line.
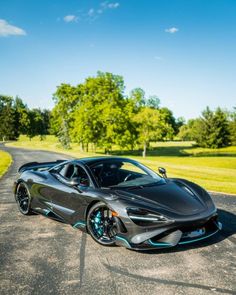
x,y
185,234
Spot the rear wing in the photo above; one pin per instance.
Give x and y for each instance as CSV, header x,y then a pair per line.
x,y
39,166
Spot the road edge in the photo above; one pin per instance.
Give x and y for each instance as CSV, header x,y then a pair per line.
x,y
10,163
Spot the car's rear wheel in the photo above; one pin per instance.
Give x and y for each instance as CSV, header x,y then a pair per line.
x,y
22,196
101,224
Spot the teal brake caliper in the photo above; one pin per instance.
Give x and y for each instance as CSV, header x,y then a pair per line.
x,y
98,224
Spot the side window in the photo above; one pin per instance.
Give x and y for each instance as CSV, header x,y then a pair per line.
x,y
62,170
82,175
67,171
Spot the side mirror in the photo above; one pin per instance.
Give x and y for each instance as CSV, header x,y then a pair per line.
x,y
75,181
162,171
79,181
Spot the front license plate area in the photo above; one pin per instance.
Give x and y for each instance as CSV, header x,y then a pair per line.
x,y
194,234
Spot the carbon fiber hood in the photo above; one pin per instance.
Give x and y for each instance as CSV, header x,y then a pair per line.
x,y
172,195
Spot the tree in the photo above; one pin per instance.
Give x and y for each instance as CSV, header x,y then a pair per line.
x,y
179,122
86,126
7,119
98,113
22,121
38,123
211,130
153,102
137,95
184,133
168,118
232,126
102,115
190,130
150,126
46,114
66,98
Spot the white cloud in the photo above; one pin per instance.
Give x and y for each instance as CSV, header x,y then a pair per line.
x,y
109,5
158,57
172,30
113,5
6,29
70,18
93,13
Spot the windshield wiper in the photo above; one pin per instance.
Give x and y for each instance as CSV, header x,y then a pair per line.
x,y
137,186
126,187
151,184
154,184
134,187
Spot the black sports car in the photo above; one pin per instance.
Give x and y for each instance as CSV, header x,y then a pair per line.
x,y
118,201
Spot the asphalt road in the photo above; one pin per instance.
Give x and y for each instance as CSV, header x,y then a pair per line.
x,y
42,256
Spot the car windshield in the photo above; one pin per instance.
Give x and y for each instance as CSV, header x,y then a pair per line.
x,y
123,173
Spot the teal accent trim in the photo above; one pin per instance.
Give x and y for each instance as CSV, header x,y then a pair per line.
x,y
124,240
183,242
160,244
47,211
97,223
79,223
198,239
219,225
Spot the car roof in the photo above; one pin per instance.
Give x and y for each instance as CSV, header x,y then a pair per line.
x,y
93,160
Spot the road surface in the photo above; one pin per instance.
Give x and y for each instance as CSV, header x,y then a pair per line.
x,y
42,256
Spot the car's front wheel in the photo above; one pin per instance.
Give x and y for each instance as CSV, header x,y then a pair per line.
x,y
22,197
101,224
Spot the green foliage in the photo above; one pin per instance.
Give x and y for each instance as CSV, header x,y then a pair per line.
x,y
152,126
66,99
153,102
94,112
179,122
21,116
185,133
168,118
16,118
97,113
7,118
36,122
209,131
137,95
232,126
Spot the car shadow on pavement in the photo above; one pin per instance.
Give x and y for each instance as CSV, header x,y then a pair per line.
x,y
228,220
166,282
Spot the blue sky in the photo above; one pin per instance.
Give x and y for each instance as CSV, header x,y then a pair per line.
x,y
184,51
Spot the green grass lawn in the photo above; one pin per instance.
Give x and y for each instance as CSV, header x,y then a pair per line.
x,y
214,169
5,161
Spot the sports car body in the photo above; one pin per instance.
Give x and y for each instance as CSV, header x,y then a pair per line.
x,y
118,201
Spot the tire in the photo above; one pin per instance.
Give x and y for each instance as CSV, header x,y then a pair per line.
x,y
23,199
101,225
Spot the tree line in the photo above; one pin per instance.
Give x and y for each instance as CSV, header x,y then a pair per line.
x,y
213,129
17,118
98,114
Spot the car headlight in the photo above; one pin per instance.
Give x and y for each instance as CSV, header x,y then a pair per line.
x,y
143,217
